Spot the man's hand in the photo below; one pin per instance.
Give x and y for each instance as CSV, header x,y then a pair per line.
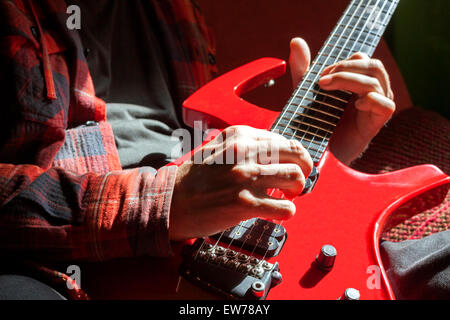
x,y
214,195
371,109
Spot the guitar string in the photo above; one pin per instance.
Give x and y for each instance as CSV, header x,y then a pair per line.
x,y
372,43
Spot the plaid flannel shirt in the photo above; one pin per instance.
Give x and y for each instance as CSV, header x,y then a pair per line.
x,y
63,193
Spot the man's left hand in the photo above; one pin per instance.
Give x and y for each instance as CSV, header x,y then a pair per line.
x,y
373,107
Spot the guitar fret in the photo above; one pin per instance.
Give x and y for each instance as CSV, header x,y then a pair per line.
x,y
327,55
357,17
320,120
325,104
309,140
312,72
307,132
309,148
363,42
317,64
329,96
358,29
319,102
311,81
333,45
308,124
360,32
316,110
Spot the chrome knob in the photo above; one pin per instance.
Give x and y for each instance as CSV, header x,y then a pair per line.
x,y
351,294
325,259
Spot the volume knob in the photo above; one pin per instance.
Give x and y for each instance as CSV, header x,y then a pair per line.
x,y
351,294
325,259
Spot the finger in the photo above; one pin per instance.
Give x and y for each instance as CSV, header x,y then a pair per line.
x,y
380,106
287,177
264,147
296,153
266,207
285,151
355,56
232,133
359,55
353,82
299,59
373,68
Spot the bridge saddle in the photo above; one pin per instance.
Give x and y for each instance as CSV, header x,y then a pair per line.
x,y
235,273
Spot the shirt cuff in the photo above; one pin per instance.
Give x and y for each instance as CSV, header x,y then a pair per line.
x,y
153,233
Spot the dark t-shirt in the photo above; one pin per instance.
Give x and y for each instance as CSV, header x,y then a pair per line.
x,y
129,72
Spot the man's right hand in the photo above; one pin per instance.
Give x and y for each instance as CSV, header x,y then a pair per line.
x,y
215,194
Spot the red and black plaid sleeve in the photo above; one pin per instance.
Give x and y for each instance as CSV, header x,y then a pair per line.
x,y
57,215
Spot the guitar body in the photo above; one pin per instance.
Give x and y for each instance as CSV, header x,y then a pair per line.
x,y
347,209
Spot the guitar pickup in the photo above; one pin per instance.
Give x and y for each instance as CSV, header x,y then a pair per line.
x,y
227,272
256,235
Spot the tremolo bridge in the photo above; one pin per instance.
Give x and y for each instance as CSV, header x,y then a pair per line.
x,y
233,263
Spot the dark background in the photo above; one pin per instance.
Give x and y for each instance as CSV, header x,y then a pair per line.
x,y
419,38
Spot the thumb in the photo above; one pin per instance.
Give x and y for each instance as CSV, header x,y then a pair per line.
x,y
299,59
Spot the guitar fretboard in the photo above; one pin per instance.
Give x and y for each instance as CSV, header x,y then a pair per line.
x,y
311,114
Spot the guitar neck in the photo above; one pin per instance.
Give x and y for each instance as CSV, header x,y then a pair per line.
x,y
311,114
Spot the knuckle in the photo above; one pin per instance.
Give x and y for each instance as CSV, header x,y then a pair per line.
x,y
391,95
239,173
242,173
390,109
375,65
244,199
363,55
234,131
237,144
375,85
286,210
309,164
359,55
339,67
295,173
296,147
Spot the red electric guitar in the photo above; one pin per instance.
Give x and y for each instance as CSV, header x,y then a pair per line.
x,y
330,249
